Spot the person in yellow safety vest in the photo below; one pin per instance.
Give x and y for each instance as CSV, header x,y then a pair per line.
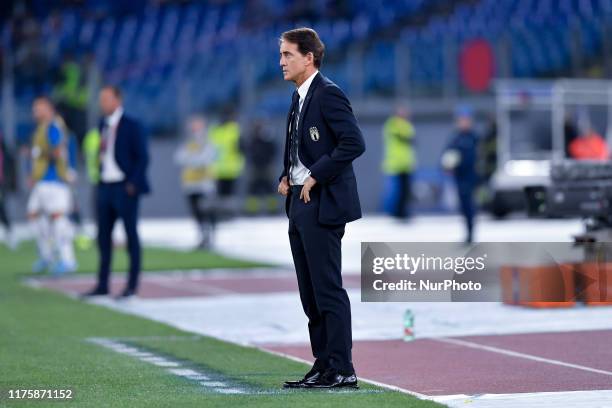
x,y
399,161
91,151
72,96
72,89
229,163
50,200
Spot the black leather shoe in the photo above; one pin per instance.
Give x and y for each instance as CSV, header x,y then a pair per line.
x,y
333,379
95,292
310,377
126,294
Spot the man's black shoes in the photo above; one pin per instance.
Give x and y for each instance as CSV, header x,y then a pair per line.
x,y
322,380
310,377
94,293
126,294
333,379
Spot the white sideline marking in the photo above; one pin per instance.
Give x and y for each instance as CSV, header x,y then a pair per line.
x,y
119,347
213,383
198,377
160,361
167,364
140,354
122,349
522,355
194,375
230,391
184,372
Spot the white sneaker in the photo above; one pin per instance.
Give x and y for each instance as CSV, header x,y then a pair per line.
x,y
63,268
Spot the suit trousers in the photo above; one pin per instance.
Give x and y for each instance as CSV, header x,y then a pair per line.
x,y
114,202
317,255
465,191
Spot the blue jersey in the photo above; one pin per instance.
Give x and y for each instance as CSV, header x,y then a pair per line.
x,y
54,135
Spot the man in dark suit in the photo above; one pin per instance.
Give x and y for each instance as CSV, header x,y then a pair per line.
x,y
124,159
322,141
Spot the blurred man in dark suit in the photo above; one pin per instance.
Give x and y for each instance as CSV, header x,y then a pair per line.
x,y
124,159
322,141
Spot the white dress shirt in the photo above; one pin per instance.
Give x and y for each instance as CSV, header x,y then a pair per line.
x,y
111,173
299,172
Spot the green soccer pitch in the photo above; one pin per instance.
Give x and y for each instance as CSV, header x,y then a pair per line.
x,y
45,344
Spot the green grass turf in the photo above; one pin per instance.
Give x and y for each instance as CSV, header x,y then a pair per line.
x,y
154,259
43,346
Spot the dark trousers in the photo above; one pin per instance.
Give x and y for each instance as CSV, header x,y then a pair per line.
x,y
202,213
401,207
4,219
316,250
114,202
465,191
226,187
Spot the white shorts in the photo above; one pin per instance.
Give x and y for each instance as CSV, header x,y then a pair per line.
x,y
50,197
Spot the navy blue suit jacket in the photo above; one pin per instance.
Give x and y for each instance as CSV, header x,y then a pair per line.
x,y
132,153
329,141
466,142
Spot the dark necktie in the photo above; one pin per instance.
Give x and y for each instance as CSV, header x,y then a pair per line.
x,y
295,111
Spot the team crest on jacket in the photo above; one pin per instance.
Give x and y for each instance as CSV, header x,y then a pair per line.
x,y
314,133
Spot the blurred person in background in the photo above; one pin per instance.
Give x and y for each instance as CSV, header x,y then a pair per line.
x,y
124,158
196,156
50,201
71,93
7,184
399,161
259,150
229,161
459,158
